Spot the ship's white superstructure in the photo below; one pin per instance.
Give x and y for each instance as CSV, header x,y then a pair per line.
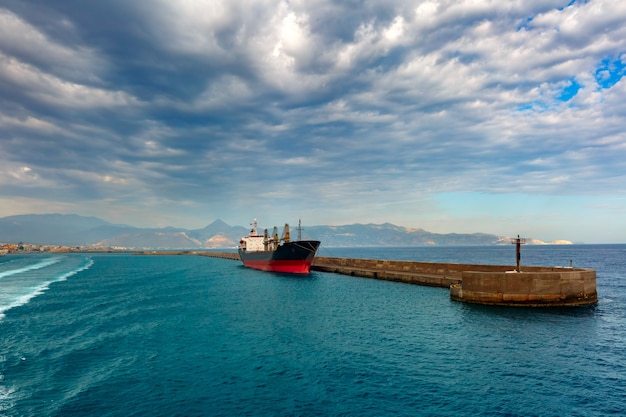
x,y
254,241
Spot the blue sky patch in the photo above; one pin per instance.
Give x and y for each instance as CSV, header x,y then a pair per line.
x,y
525,24
573,2
534,106
610,72
570,91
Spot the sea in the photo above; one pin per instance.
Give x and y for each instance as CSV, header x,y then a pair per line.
x,y
129,335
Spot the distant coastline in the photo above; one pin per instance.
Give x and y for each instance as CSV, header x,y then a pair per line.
x,y
67,233
27,248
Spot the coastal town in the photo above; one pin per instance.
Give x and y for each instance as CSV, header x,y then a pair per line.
x,y
6,248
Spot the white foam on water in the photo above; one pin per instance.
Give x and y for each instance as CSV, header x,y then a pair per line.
x,y
31,292
66,275
7,398
42,264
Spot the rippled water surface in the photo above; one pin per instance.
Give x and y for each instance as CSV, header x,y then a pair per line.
x,y
123,335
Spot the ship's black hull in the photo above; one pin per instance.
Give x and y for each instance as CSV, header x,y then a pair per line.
x,y
292,257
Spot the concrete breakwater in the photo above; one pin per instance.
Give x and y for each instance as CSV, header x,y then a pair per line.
x,y
534,286
223,255
420,273
552,287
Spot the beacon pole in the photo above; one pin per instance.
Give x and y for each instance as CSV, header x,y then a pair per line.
x,y
518,250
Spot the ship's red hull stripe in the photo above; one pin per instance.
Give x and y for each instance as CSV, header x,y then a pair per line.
x,y
290,266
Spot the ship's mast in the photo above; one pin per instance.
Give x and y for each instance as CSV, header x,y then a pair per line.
x,y
275,237
266,240
286,236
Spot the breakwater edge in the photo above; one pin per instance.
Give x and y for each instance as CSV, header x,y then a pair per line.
x,y
534,286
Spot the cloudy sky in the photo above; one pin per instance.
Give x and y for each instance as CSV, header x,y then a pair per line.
x,y
503,117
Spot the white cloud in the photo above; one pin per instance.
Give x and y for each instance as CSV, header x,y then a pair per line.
x,y
374,109
55,91
33,48
223,92
191,26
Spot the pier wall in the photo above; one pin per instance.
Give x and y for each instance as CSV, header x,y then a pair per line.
x,y
234,256
559,287
421,273
534,286
430,274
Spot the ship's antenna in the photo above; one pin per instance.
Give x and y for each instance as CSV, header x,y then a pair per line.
x,y
299,229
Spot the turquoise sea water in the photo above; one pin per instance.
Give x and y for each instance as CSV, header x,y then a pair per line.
x,y
123,335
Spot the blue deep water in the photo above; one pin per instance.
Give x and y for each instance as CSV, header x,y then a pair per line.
x,y
124,335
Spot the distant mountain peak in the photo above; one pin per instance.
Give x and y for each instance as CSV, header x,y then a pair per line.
x,y
73,229
218,222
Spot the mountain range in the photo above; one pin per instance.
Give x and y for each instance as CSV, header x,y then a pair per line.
x,y
75,230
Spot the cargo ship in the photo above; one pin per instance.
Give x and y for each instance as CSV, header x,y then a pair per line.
x,y
269,253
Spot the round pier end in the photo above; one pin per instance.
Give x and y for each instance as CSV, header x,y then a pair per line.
x,y
542,287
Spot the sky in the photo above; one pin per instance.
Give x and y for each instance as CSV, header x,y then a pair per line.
x,y
502,117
